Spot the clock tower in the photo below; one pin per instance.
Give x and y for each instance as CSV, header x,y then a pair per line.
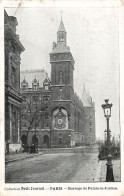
x,y
62,67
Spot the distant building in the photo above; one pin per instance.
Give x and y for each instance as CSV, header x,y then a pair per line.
x,y
65,120
13,49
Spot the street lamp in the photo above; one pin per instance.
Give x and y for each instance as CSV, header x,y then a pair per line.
x,y
107,113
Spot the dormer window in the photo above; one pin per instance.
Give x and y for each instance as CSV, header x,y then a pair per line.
x,y
46,83
24,84
46,87
24,87
35,84
34,87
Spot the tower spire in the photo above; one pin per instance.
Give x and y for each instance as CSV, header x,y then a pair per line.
x,y
61,34
61,15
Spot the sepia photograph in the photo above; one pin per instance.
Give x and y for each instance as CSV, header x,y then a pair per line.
x,y
62,95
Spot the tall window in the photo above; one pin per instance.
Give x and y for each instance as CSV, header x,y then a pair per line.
x,y
60,97
14,77
60,76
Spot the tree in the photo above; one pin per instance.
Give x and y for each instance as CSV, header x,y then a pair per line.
x,y
114,149
32,110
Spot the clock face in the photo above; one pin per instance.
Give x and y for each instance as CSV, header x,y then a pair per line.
x,y
60,121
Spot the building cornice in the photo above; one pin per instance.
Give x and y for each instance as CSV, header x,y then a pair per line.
x,y
10,33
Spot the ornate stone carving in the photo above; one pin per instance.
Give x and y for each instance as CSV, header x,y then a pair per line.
x,y
60,119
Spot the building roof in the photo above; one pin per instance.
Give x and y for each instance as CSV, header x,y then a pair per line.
x,y
61,27
60,48
31,75
86,99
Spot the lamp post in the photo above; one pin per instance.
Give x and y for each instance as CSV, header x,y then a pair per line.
x,y
105,135
107,113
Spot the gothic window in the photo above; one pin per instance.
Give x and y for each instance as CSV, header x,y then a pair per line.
x,y
62,37
90,123
90,129
60,76
46,120
59,37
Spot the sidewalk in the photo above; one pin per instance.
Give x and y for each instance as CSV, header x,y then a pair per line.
x,y
101,171
20,156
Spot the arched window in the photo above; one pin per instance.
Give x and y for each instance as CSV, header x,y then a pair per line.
x,y
60,76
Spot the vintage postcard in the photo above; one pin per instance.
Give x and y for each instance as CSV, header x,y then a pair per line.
x,y
62,89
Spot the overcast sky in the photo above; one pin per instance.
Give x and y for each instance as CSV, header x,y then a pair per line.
x,y
92,34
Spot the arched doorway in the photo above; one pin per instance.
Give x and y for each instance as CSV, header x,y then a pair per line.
x,y
46,140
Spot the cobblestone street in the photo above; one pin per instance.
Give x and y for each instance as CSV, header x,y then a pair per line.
x,y
54,168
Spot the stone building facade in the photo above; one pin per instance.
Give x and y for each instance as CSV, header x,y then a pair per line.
x,y
13,50
66,120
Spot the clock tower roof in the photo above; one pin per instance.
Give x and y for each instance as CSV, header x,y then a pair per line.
x,y
61,27
61,45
